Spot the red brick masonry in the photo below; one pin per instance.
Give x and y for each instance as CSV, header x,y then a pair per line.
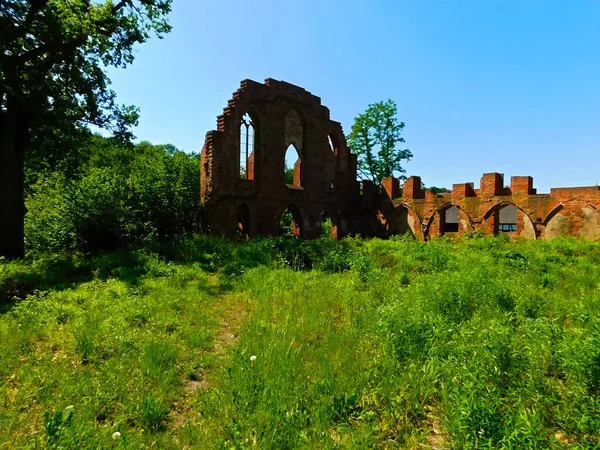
x,y
325,183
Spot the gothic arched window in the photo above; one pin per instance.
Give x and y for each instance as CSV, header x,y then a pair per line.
x,y
246,146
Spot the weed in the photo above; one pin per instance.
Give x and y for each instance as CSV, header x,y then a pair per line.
x,y
152,413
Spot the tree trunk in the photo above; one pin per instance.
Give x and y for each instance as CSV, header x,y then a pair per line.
x,y
13,140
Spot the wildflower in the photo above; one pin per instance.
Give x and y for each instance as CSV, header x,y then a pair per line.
x,y
253,358
116,435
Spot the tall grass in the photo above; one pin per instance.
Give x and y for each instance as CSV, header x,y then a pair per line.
x,y
280,343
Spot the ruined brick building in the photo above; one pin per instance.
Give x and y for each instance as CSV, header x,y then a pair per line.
x,y
244,189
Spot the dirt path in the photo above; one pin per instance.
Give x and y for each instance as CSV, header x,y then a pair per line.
x,y
232,309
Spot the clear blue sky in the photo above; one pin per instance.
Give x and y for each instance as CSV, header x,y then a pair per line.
x,y
483,85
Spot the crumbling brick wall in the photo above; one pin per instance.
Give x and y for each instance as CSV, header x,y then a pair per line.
x,y
247,193
563,212
325,183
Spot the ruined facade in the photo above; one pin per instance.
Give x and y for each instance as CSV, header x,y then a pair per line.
x,y
517,210
245,189
243,185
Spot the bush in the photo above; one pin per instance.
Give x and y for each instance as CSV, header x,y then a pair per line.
x,y
154,198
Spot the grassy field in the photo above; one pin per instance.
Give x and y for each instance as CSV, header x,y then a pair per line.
x,y
279,343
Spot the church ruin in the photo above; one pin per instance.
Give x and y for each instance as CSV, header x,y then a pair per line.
x,y
245,191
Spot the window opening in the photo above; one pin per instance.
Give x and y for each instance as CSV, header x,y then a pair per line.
x,y
246,145
292,166
451,220
289,223
507,219
327,227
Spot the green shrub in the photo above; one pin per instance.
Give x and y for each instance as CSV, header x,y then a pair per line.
x,y
154,197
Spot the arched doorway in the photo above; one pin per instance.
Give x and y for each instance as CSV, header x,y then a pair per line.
x,y
369,225
290,221
398,221
328,225
590,228
508,219
242,216
449,220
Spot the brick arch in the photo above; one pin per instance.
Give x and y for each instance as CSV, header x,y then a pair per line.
x,y
343,156
597,208
335,141
257,120
427,232
527,231
257,133
298,168
411,223
294,130
577,220
335,222
555,224
300,216
253,112
368,224
553,212
590,228
417,228
294,137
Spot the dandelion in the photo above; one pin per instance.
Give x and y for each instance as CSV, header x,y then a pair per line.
x,y
116,435
253,358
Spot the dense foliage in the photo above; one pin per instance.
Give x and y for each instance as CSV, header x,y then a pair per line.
x,y
54,83
110,196
282,343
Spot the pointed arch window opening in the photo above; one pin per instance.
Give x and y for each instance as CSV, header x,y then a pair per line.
x,y
292,166
247,137
289,222
328,226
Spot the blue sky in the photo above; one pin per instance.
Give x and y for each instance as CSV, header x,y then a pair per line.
x,y
483,85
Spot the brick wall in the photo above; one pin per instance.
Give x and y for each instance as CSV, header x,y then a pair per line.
x,y
324,178
325,183
562,212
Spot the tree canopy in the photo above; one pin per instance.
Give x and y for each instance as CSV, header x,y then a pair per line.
x,y
54,55
53,83
374,138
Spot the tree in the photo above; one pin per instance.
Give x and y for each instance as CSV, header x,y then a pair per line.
x,y
116,196
435,189
374,138
53,56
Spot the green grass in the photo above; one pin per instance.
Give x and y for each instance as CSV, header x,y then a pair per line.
x,y
279,343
